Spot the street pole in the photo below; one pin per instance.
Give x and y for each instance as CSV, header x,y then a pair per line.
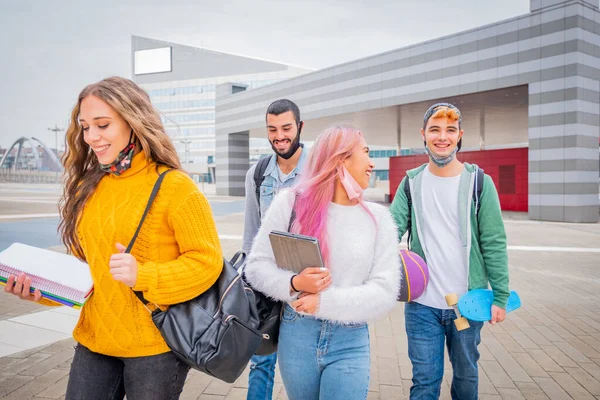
x,y
187,150
56,129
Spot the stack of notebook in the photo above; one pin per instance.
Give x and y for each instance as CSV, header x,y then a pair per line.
x,y
60,277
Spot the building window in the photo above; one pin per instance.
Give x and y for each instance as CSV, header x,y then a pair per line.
x,y
177,105
382,153
187,118
382,175
182,90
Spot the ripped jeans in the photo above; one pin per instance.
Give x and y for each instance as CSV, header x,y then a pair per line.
x,y
321,359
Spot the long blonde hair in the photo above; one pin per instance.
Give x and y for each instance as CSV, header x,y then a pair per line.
x,y
82,170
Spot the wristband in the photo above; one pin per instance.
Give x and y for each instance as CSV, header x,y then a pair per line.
x,y
292,284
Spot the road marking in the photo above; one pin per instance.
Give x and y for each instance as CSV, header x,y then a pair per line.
x,y
28,216
20,200
556,249
231,237
538,222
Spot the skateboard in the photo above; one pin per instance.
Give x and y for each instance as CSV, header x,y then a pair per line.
x,y
476,305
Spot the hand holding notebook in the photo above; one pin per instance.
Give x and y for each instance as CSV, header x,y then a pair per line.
x,y
60,277
20,285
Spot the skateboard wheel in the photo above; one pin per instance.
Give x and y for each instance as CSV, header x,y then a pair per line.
x,y
451,299
461,324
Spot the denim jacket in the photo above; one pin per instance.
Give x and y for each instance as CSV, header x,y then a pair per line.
x,y
270,186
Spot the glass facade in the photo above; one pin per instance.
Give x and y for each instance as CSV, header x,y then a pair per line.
x,y
182,118
202,132
176,105
188,114
190,121
382,153
182,90
382,174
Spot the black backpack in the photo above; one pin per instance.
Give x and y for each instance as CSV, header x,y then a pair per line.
x,y
477,189
259,176
216,332
269,311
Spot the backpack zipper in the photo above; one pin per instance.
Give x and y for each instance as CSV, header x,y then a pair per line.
x,y
225,294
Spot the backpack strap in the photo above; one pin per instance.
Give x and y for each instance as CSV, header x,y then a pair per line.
x,y
259,176
406,188
478,188
293,214
159,181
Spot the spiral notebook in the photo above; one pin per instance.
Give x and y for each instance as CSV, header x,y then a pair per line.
x,y
60,277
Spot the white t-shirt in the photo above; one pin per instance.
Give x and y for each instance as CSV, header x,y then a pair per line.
x,y
283,177
441,237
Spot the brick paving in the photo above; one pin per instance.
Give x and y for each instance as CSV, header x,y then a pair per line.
x,y
548,349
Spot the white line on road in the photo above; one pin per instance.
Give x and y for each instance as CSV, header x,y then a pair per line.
x,y
55,198
542,248
556,249
538,222
17,200
28,216
231,237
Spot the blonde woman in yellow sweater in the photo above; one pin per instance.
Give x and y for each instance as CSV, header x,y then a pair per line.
x,y
116,148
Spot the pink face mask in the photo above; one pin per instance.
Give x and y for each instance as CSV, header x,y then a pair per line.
x,y
352,187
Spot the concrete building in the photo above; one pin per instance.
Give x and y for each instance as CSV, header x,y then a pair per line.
x,y
181,81
528,81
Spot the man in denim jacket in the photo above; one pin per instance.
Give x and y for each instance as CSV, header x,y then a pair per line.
x,y
283,129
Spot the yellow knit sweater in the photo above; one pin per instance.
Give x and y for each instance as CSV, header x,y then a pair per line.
x,y
178,252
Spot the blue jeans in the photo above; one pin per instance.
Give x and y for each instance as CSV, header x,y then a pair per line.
x,y
427,329
321,359
262,377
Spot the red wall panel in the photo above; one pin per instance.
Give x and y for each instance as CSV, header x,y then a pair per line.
x,y
489,160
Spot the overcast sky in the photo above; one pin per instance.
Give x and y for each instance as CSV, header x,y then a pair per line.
x,y
50,49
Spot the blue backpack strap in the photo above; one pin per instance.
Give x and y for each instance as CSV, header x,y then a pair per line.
x,y
259,176
406,188
478,188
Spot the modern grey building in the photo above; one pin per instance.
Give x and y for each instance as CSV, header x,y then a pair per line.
x,y
529,81
181,81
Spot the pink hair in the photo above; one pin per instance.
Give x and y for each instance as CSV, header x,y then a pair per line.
x,y
316,187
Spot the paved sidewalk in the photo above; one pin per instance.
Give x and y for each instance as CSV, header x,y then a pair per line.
x,y
550,348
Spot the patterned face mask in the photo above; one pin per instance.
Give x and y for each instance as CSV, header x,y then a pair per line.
x,y
123,161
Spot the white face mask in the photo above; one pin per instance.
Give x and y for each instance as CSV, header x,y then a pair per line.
x,y
353,189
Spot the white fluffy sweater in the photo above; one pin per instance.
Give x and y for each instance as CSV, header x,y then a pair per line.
x,y
364,261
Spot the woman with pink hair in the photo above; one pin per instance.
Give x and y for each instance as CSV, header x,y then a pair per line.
x,y
324,338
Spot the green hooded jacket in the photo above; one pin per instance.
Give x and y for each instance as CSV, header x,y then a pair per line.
x,y
483,237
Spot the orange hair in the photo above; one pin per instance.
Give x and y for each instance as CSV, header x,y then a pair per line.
x,y
446,112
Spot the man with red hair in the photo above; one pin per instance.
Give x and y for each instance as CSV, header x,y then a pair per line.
x,y
459,231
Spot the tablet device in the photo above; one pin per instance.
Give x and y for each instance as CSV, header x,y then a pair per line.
x,y
295,252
